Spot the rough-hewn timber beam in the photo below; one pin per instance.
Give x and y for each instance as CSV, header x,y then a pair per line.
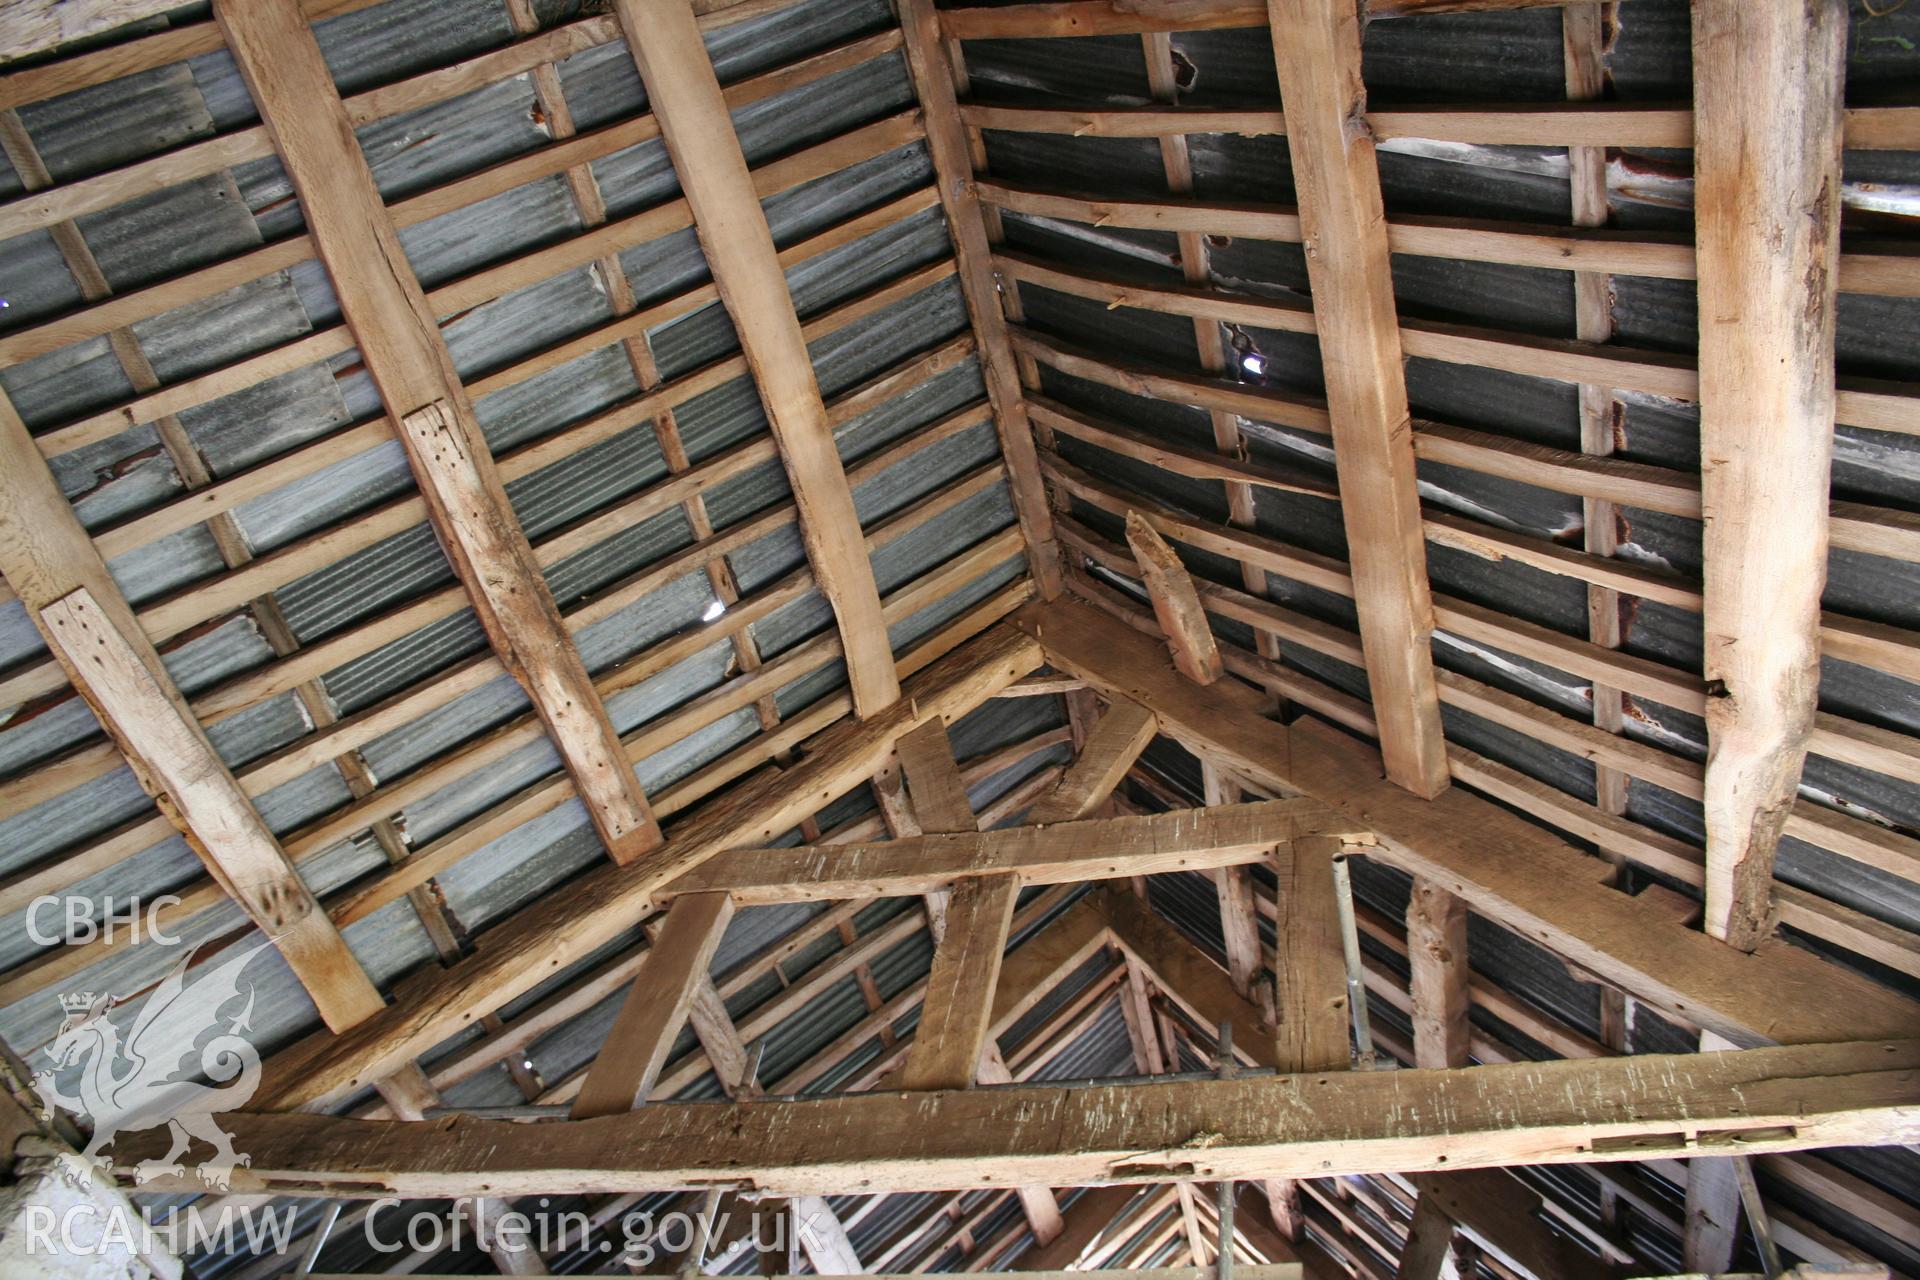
x,y
1767,105
564,927
1117,739
656,1008
1505,867
1090,849
1310,976
953,1044
959,1003
1429,1243
58,574
1187,975
932,74
1438,982
399,339
687,100
1322,1125
1503,1214
1175,603
34,26
1316,48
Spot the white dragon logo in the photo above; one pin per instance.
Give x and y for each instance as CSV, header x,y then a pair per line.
x,y
133,1085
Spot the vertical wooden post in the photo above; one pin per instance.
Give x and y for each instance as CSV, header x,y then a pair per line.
x,y
1437,957
1310,976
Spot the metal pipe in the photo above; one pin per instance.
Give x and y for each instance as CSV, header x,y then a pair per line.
x,y
1757,1217
312,1255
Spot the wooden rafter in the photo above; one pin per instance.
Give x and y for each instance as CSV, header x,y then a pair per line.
x,y
1776,1099
664,39
1767,222
933,83
400,342
58,574
1316,48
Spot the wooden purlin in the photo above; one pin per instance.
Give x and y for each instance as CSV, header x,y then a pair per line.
x,y
1659,255
229,539
664,39
400,342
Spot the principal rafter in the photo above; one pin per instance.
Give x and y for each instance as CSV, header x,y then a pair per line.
x,y
1502,865
57,572
564,927
399,340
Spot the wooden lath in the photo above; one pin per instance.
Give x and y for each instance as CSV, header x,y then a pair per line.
x,y
401,345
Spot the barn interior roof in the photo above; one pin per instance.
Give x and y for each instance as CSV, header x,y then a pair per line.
x,y
476,471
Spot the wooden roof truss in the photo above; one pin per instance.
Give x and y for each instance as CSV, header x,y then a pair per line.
x,y
1284,1147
